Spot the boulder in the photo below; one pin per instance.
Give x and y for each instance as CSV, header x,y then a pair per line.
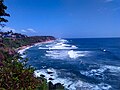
x,y
51,79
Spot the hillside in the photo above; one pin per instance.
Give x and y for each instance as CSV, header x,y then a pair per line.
x,y
15,74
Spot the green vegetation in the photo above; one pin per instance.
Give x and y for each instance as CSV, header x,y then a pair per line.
x,y
3,13
16,43
15,74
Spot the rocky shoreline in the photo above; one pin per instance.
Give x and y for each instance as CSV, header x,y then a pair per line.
x,y
15,73
52,86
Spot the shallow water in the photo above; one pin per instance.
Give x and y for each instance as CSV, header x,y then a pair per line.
x,y
79,64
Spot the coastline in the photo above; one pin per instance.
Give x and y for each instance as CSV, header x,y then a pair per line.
x,y
52,85
21,49
11,51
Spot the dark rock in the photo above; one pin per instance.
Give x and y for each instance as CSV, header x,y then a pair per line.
x,y
51,79
42,75
58,86
68,85
49,72
51,86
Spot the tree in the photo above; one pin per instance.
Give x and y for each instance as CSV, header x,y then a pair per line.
x,y
3,13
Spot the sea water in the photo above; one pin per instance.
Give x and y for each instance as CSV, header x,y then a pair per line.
x,y
79,64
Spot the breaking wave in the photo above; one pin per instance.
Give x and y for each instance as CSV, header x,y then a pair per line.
x,y
59,44
69,83
65,54
21,52
78,66
99,73
61,49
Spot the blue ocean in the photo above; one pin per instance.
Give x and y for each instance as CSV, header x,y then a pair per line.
x,y
79,64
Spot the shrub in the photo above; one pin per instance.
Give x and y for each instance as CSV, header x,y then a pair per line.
x,y
14,75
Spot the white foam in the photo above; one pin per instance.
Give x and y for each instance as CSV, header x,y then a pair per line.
x,y
104,86
104,50
37,73
65,54
61,50
63,40
96,73
42,48
99,73
59,44
62,46
113,69
68,83
51,70
23,56
76,54
56,54
23,50
80,85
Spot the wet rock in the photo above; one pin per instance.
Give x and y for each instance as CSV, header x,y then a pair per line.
x,y
42,75
51,86
68,85
51,79
49,71
58,86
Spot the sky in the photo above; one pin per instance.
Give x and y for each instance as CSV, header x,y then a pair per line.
x,y
65,18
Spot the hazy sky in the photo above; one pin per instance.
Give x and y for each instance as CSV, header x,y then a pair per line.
x,y
65,18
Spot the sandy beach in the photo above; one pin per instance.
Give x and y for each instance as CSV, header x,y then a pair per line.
x,y
20,50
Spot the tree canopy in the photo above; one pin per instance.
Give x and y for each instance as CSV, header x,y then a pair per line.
x,y
3,13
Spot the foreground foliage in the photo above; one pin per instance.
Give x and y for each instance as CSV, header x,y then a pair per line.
x,y
15,75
